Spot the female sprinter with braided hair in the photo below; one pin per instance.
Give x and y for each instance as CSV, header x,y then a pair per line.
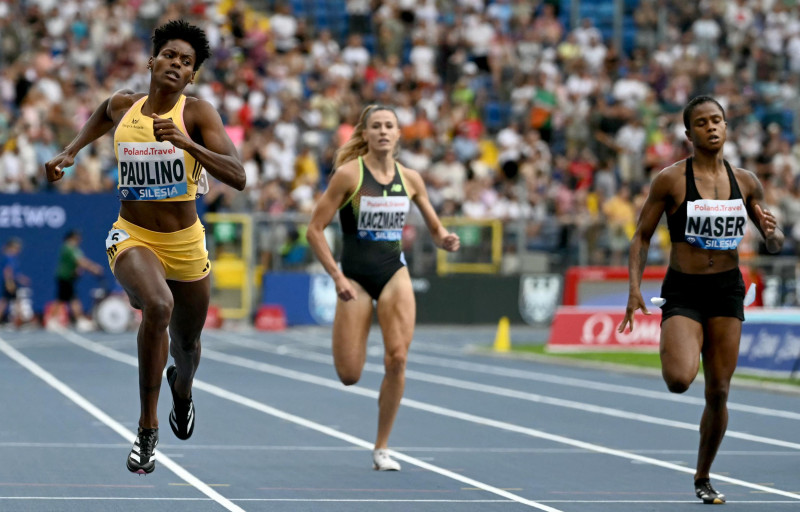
x,y
372,193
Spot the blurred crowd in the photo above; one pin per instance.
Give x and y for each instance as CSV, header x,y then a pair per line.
x,y
507,111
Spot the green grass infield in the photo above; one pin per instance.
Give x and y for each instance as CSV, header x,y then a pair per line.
x,y
635,359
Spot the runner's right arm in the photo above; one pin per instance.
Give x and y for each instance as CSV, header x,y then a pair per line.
x,y
96,126
343,183
653,208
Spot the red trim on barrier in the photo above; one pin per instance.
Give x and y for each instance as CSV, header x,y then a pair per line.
x,y
580,328
270,317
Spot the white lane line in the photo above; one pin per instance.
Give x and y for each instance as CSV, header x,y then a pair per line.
x,y
597,386
472,418
586,407
514,394
301,500
253,404
686,502
568,381
354,500
423,449
111,423
95,498
314,337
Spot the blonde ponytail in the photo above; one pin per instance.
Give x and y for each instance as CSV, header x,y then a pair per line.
x,y
357,145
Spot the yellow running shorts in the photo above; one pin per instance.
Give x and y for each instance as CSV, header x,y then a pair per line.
x,y
182,253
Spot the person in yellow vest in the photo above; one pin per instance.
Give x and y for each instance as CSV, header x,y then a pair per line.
x,y
164,142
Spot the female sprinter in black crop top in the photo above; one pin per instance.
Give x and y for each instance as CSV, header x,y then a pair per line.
x,y
372,193
706,204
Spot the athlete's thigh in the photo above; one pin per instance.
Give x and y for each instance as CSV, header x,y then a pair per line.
x,y
191,306
397,311
681,343
142,276
351,328
721,348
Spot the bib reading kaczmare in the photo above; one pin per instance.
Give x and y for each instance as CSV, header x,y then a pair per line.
x,y
382,218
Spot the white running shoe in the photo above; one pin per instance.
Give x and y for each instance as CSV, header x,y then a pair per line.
x,y
381,461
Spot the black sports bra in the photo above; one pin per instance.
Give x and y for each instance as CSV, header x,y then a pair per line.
x,y
717,224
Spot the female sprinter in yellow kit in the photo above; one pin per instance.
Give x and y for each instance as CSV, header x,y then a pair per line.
x,y
156,248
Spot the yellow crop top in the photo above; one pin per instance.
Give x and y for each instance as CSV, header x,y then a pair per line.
x,y
149,170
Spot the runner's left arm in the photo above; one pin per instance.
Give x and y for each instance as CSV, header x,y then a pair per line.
x,y
441,237
763,219
214,149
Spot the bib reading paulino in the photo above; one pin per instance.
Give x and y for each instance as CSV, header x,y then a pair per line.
x,y
151,170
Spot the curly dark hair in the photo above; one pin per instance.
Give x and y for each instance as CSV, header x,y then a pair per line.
x,y
179,29
696,102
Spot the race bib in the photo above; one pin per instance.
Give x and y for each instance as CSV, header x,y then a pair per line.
x,y
382,218
115,236
715,224
202,184
151,171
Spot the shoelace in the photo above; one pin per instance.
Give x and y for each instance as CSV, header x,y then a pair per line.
x,y
147,444
707,490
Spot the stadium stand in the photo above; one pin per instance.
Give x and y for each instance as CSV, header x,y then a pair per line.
x,y
588,114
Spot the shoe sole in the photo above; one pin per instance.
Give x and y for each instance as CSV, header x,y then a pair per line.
x,y
376,468
172,375
140,470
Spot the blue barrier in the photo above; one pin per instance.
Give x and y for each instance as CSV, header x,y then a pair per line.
x,y
306,298
42,220
771,341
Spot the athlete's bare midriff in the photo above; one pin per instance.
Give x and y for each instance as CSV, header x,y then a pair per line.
x,y
162,217
692,260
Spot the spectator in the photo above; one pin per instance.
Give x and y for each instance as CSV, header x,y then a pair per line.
x,y
620,221
12,278
630,139
71,262
447,179
275,74
356,55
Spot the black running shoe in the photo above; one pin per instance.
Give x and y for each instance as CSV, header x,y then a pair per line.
x,y
181,418
709,495
142,458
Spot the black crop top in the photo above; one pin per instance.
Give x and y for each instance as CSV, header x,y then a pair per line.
x,y
717,224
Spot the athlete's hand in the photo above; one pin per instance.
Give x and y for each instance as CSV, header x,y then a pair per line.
x,y
165,130
766,220
55,167
635,301
448,241
344,288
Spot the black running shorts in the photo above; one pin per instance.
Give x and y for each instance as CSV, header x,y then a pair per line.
x,y
702,296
